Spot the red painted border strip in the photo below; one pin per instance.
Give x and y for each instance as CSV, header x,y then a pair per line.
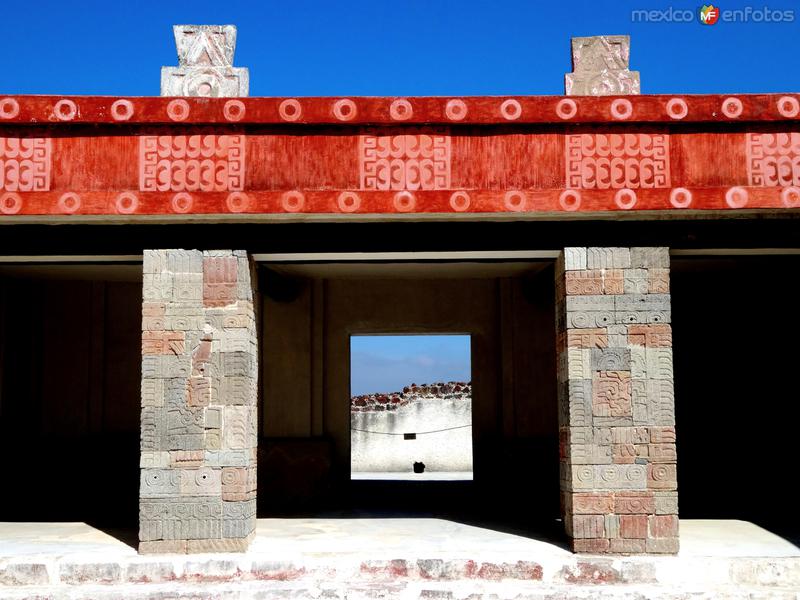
x,y
371,110
355,202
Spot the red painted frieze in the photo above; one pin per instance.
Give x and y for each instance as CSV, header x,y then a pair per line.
x,y
523,156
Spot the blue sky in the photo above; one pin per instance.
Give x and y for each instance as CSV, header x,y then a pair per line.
x,y
386,363
377,47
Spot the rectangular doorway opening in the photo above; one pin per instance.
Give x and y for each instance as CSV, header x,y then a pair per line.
x,y
411,407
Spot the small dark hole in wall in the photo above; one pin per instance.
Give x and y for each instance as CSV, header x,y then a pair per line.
x,y
419,467
409,436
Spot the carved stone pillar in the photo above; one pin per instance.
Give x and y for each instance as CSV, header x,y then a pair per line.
x,y
600,67
205,59
199,402
616,400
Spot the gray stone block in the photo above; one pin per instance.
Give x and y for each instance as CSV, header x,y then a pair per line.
x,y
227,458
589,319
642,317
642,302
159,483
590,303
610,359
166,367
185,261
574,259
608,258
650,258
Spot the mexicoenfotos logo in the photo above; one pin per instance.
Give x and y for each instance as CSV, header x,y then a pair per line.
x,y
709,14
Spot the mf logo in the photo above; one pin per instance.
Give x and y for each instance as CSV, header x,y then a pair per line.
x,y
709,14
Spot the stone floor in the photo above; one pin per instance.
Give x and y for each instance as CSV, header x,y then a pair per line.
x,y
393,558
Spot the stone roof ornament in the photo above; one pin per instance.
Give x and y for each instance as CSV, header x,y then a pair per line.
x,y
205,59
600,67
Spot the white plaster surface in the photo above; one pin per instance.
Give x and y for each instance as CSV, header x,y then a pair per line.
x,y
446,450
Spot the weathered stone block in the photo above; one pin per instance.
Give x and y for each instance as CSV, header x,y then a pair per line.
x,y
600,67
574,258
610,359
650,258
663,526
633,526
642,503
588,526
593,504
159,483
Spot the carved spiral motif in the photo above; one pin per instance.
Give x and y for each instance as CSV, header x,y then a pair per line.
x,y
126,203
788,107
178,110
459,201
677,108
625,198
69,202
9,108
345,109
621,109
65,110
182,202
10,203
401,110
511,109
566,108
293,201
514,200
237,202
348,202
455,110
736,197
732,107
680,198
790,197
585,474
404,201
122,110
234,110
570,200
290,110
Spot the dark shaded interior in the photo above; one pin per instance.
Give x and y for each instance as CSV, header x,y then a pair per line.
x,y
736,402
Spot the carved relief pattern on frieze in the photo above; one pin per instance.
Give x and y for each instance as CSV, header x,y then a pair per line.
x,y
25,164
191,163
617,161
411,161
773,159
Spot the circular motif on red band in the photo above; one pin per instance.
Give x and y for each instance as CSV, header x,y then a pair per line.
x,y
290,110
511,109
790,197
126,203
237,202
178,110
122,110
181,202
10,203
234,110
345,109
625,199
736,197
566,108
348,202
401,110
732,107
788,107
570,200
455,110
9,108
621,108
677,108
404,202
680,198
65,110
514,201
69,203
293,201
459,201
